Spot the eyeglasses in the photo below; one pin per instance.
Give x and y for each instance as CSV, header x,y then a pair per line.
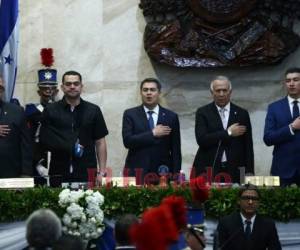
x,y
68,84
247,197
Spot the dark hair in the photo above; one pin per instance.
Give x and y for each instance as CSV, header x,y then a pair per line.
x,y
247,187
43,228
158,84
292,70
69,242
71,73
122,228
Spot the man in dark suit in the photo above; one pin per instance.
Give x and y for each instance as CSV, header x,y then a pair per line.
x,y
152,135
282,130
43,229
224,135
246,229
15,143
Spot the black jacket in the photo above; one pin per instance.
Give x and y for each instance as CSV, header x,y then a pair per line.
x,y
16,147
232,237
144,150
213,139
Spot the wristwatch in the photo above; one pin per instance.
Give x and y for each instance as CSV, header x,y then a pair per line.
x,y
101,173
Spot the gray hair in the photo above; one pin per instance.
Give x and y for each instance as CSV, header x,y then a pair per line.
x,y
43,228
220,78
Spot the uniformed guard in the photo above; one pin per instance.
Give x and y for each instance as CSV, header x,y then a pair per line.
x,y
47,90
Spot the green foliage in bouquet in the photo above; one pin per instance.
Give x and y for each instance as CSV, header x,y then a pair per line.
x,y
281,204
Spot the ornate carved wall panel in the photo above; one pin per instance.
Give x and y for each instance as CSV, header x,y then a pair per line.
x,y
218,33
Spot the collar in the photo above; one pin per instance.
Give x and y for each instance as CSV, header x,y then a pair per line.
x,y
67,105
155,110
244,218
290,100
227,107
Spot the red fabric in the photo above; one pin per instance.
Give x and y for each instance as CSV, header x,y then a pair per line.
x,y
199,189
47,57
157,229
177,205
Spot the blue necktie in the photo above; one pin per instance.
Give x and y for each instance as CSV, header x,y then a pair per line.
x,y
248,228
150,119
295,110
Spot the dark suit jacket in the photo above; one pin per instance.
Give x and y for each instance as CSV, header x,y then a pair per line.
x,y
144,150
286,156
232,236
16,147
211,135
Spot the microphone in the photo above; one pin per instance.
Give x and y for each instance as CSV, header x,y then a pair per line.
x,y
163,171
216,156
225,243
216,242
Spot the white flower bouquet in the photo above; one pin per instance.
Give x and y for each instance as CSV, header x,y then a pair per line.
x,y
83,216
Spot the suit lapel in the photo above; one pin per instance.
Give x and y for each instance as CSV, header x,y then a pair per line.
x,y
239,222
238,232
161,116
232,115
286,109
256,229
216,114
143,117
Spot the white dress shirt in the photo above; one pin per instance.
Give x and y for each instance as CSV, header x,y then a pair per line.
x,y
291,105
154,114
244,221
226,110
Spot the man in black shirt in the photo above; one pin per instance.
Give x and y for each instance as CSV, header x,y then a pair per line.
x,y
74,131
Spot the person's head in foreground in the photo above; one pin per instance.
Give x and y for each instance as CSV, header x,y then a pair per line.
x,y
248,200
122,228
43,229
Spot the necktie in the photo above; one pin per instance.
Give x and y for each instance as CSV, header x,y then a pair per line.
x,y
295,109
224,122
223,117
150,119
248,228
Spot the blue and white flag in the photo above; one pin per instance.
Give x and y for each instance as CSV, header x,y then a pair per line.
x,y
8,44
